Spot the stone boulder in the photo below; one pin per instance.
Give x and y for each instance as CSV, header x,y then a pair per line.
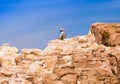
x,y
90,59
106,33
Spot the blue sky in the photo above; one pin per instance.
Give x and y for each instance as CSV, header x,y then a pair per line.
x,y
32,23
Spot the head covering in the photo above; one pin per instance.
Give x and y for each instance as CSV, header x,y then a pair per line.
x,y
61,30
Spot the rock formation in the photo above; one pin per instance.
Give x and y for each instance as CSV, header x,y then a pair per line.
x,y
107,34
90,59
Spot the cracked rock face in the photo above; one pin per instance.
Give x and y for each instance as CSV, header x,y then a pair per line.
x,y
90,59
107,34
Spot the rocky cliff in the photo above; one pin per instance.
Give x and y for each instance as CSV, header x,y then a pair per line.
x,y
90,59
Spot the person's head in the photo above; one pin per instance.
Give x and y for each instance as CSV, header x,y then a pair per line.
x,y
61,30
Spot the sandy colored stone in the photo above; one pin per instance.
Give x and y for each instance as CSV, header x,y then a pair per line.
x,y
107,34
89,59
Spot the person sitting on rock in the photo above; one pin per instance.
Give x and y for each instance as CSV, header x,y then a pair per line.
x,y
62,34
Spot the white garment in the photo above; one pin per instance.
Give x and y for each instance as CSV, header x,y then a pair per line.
x,y
62,35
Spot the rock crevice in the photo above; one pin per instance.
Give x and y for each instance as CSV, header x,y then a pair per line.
x,y
90,59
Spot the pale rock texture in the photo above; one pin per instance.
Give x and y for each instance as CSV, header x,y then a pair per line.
x,y
90,59
107,34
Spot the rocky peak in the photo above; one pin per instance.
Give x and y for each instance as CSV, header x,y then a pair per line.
x,y
107,34
90,59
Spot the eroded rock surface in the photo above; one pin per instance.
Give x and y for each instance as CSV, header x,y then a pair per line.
x,y
90,59
107,34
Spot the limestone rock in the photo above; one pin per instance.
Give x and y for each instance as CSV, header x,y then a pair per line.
x,y
90,59
107,34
